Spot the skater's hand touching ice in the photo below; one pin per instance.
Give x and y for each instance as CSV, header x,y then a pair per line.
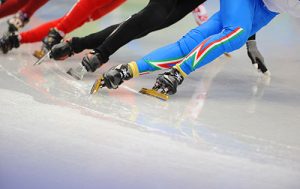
x,y
256,57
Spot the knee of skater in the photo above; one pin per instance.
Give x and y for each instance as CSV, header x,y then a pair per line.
x,y
235,38
189,41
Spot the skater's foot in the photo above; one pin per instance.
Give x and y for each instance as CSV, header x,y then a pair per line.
x,y
114,77
166,84
90,63
54,37
9,41
17,22
62,50
93,60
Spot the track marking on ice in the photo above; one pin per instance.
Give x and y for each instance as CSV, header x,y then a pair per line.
x,y
74,83
15,77
139,124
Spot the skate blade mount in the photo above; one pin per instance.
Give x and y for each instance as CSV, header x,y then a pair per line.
x,y
154,93
227,55
99,83
42,59
40,53
77,73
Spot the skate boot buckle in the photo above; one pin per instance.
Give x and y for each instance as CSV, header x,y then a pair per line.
x,y
40,53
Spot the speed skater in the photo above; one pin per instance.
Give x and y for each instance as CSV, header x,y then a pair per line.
x,y
108,41
155,16
226,31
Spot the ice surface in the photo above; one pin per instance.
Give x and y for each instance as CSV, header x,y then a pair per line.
x,y
227,127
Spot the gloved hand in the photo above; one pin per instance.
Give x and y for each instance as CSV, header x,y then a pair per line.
x,y
200,14
256,58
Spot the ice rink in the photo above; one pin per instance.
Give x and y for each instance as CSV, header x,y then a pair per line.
x,y
228,127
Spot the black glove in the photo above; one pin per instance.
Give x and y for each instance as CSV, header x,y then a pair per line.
x,y
2,1
92,61
256,58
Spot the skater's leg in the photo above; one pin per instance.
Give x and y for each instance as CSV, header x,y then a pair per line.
x,y
172,54
262,17
91,41
183,8
11,7
106,9
152,16
83,11
180,10
252,16
236,17
94,40
38,33
86,10
32,6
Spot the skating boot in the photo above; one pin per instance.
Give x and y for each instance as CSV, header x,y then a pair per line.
x,y
90,63
58,52
17,22
113,77
61,51
166,84
9,41
53,38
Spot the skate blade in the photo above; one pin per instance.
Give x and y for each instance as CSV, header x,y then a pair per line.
x,y
97,85
227,55
154,93
42,59
77,73
39,54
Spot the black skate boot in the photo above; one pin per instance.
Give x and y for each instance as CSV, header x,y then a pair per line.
x,y
17,22
113,77
53,38
62,50
166,84
90,63
9,41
